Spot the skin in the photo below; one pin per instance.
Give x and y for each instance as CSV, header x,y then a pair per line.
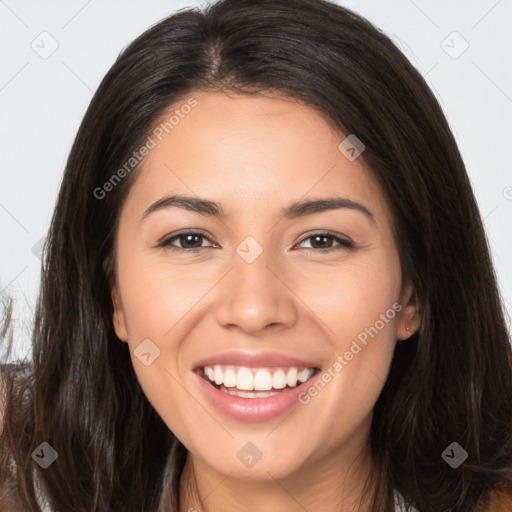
x,y
255,155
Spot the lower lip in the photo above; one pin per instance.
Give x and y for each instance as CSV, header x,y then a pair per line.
x,y
252,410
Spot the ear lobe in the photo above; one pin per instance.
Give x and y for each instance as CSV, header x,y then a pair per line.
x,y
410,315
118,316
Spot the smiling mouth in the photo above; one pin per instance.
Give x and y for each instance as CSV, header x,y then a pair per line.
x,y
248,382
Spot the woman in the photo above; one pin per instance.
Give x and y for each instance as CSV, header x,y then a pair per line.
x,y
369,370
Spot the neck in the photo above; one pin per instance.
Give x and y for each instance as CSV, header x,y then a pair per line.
x,y
334,483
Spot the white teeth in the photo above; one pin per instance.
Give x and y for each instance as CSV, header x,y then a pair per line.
x,y
305,374
246,394
229,379
210,373
291,377
244,379
279,379
247,379
262,380
218,375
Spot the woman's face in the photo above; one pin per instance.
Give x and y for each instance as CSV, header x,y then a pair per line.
x,y
260,296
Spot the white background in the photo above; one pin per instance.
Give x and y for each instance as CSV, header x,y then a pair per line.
x,y
42,102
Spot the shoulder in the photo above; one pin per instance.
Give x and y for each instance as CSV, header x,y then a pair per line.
x,y
15,395
400,503
499,500
3,397
5,487
8,484
5,378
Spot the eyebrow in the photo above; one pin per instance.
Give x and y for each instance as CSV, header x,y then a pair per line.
x,y
292,211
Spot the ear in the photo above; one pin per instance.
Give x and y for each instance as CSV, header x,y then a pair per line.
x,y
410,314
118,316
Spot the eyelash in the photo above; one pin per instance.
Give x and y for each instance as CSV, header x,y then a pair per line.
x,y
344,244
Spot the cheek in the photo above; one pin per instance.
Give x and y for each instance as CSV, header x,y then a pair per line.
x,y
153,303
159,302
366,307
363,345
359,311
350,299
155,295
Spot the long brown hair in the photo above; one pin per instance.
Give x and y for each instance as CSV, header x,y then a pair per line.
x,y
451,382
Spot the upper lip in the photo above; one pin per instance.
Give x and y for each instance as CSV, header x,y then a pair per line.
x,y
254,360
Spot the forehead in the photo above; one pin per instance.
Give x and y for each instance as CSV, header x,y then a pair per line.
x,y
250,152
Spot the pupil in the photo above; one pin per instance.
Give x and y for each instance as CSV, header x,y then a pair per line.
x,y
319,237
188,237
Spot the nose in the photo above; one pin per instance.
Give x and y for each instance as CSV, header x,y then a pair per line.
x,y
255,297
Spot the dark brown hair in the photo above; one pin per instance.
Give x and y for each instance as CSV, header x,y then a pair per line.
x,y
450,382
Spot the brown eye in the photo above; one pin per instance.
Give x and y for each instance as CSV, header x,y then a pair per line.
x,y
190,241
322,242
